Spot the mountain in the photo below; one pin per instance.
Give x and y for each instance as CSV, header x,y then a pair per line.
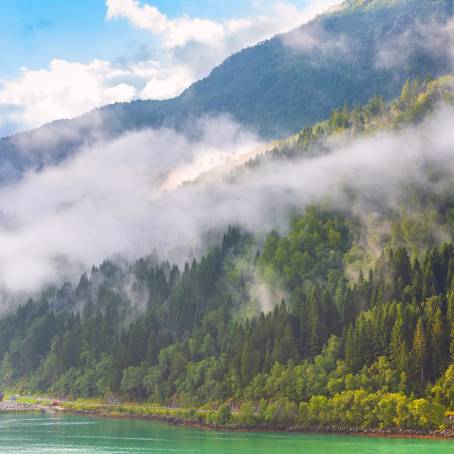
x,y
332,351
364,47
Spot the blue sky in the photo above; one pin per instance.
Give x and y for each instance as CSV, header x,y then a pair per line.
x,y
61,58
32,32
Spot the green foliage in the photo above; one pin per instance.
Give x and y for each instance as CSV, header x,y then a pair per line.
x,y
223,415
313,249
247,415
362,410
416,102
352,354
370,350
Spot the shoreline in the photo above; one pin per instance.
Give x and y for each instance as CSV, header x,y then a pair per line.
x,y
446,435
17,407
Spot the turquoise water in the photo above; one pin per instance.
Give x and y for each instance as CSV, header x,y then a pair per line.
x,y
72,434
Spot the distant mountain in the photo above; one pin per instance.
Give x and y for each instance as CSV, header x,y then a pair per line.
x,y
362,48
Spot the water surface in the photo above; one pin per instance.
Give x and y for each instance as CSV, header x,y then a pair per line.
x,y
28,434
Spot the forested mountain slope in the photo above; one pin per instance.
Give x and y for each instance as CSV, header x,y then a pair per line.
x,y
418,99
350,339
278,86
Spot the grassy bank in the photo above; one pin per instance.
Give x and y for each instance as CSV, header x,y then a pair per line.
x,y
272,416
224,419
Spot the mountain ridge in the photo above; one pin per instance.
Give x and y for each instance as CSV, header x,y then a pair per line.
x,y
273,88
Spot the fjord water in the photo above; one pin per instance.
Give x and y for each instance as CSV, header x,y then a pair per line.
x,y
29,434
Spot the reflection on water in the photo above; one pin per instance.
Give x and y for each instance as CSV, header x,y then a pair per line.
x,y
74,434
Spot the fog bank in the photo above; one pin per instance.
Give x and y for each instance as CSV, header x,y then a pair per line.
x,y
129,196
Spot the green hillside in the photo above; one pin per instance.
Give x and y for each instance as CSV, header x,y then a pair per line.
x,y
417,100
372,348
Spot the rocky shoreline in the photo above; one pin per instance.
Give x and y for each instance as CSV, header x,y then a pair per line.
x,y
18,407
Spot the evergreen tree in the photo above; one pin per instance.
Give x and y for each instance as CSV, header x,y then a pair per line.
x,y
438,344
420,350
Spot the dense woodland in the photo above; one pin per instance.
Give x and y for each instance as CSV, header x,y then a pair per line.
x,y
356,339
416,102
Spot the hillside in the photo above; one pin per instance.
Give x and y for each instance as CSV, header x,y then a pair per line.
x,y
373,348
418,99
277,86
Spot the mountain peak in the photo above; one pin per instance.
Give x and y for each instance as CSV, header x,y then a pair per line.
x,y
362,48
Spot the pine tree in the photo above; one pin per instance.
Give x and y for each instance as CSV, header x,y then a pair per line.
x,y
351,350
450,320
397,340
317,327
417,281
450,275
438,344
420,350
429,288
450,306
405,97
451,347
288,349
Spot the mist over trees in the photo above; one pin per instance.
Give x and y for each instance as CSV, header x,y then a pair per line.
x,y
363,335
276,87
386,336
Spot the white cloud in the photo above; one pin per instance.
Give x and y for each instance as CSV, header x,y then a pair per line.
x,y
121,92
186,49
67,89
270,18
433,37
314,38
164,83
123,197
108,200
63,90
175,33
